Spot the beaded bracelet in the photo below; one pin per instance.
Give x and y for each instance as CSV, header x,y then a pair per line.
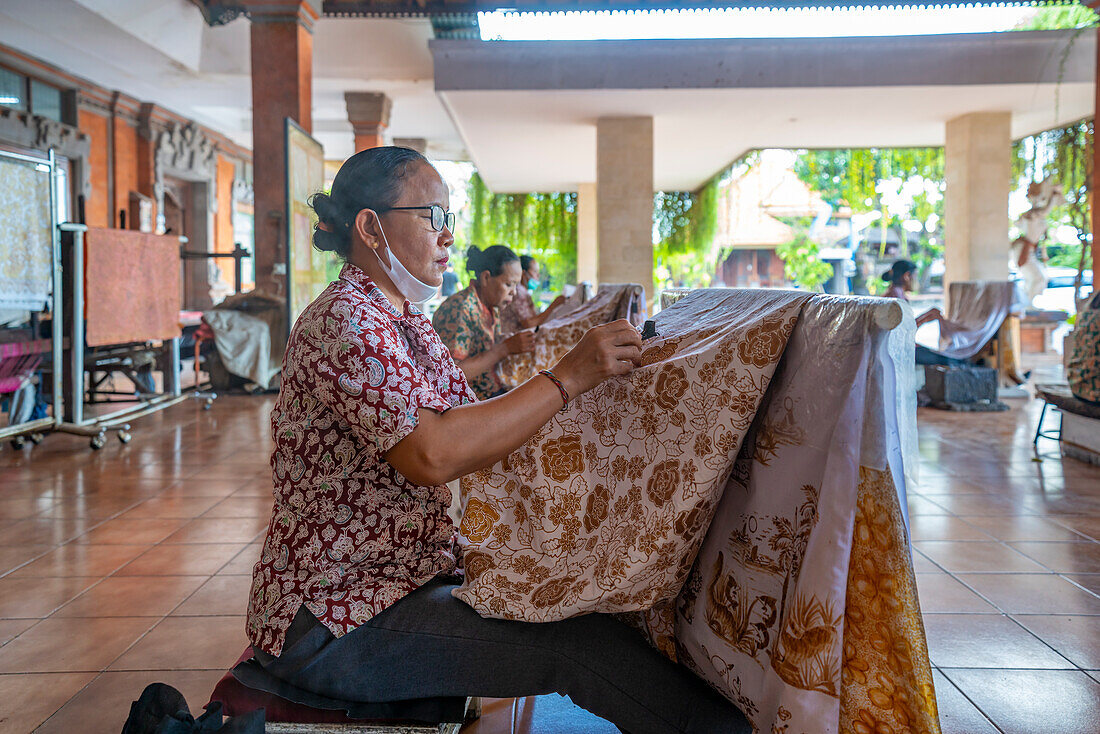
x,y
561,388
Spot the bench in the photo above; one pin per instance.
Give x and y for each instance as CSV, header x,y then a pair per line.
x,y
1078,429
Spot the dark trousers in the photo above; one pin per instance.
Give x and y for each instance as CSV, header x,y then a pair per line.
x,y
430,644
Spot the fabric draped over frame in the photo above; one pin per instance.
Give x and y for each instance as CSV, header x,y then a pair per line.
x,y
558,335
136,293
740,499
26,239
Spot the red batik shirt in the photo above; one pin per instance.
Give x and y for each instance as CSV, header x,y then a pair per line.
x,y
349,535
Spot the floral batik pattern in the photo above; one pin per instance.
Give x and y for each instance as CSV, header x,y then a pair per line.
x,y
784,580
349,535
468,327
561,333
605,507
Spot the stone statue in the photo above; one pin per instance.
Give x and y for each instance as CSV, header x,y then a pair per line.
x,y
1043,196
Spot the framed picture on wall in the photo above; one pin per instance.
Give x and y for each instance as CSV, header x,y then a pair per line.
x,y
308,271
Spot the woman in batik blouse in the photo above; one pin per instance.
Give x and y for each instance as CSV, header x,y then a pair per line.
x,y
520,312
469,325
350,606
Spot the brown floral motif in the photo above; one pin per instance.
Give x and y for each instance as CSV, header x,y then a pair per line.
x,y
658,353
663,482
596,507
688,524
550,593
763,343
562,458
478,520
476,563
671,385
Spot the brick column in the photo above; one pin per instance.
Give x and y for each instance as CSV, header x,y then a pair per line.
x,y
282,87
624,200
369,115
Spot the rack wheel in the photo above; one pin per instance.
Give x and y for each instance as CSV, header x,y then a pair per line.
x,y
124,436
98,441
208,404
37,438
18,442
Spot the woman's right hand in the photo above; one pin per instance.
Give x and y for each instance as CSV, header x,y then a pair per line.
x,y
521,341
603,351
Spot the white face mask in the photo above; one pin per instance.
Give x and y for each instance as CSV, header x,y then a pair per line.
x,y
411,287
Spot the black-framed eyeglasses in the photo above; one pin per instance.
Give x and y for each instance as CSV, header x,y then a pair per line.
x,y
439,216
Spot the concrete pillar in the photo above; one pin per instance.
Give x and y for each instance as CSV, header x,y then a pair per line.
x,y
420,145
369,115
282,87
978,175
624,194
587,225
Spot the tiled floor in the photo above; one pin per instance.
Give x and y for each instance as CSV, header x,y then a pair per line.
x,y
131,565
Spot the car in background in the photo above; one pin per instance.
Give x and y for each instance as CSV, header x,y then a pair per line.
x,y
1058,295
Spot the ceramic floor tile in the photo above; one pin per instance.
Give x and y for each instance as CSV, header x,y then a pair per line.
x,y
986,641
77,559
241,507
166,506
244,562
924,506
1090,581
45,531
957,714
10,628
220,530
1025,527
132,596
944,527
1032,593
104,704
59,645
1083,557
121,531
964,556
1076,638
1033,701
212,643
37,598
38,696
969,505
221,595
943,593
199,559
12,557
1087,525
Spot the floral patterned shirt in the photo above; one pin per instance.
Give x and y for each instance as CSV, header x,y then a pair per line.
x,y
349,535
468,327
516,311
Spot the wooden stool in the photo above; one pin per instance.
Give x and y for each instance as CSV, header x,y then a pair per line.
x,y
286,717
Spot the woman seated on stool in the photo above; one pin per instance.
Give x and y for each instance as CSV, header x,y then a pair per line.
x,y
351,599
520,312
468,324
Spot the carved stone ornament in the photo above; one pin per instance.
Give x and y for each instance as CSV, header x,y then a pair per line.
x,y
243,192
184,152
41,133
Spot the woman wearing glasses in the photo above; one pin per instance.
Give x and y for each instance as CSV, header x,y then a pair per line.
x,y
469,321
350,606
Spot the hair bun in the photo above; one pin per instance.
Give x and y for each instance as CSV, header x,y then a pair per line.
x,y
474,258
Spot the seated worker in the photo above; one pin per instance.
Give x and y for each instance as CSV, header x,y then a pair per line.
x,y
351,598
520,312
900,278
468,324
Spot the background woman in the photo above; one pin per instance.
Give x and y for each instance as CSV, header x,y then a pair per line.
x,y
351,602
469,324
520,312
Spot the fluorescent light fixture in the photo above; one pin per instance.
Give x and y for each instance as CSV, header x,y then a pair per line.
x,y
509,25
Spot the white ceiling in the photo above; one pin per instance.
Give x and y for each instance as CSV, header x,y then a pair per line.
x,y
546,141
162,51
528,110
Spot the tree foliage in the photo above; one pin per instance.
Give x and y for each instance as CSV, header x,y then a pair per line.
x,y
541,225
685,250
802,264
